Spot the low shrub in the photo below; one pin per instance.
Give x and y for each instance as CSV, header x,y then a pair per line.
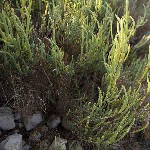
x,y
85,49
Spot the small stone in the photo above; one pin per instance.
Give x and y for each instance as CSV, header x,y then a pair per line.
x,y
6,118
53,121
58,143
12,142
31,122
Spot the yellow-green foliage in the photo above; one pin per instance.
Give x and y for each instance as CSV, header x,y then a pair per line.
x,y
15,34
87,43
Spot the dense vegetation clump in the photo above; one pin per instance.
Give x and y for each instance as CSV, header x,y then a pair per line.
x,y
80,57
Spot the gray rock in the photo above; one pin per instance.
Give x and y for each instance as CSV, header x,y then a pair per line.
x,y
59,144
53,121
6,118
12,142
31,122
